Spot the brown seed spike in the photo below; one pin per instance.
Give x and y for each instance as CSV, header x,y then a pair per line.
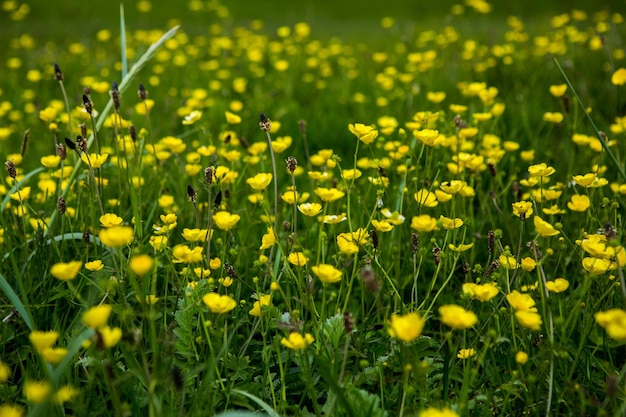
x,y
87,104
348,322
115,95
61,205
265,124
81,143
191,193
61,151
415,243
143,93
58,74
25,141
292,164
70,144
11,169
208,175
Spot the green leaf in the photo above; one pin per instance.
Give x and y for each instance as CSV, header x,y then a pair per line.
x,y
269,410
16,302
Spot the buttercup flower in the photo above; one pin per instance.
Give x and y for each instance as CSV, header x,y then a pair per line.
x,y
529,319
141,264
614,323
521,301
66,271
521,357
366,134
328,274
42,340
544,228
184,254
579,202
296,341
406,328
328,194
225,220
97,316
264,300
192,117
457,317
117,236
466,353
260,181
437,412
558,285
297,259
219,303
310,209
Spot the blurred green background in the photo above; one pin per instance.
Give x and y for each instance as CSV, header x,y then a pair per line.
x,y
56,20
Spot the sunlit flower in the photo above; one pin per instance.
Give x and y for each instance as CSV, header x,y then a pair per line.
x,y
529,319
541,170
328,274
219,303
613,321
507,262
192,117
268,240
184,254
257,307
54,355
425,198
407,327
528,264
544,228
521,302
437,412
481,292
297,259
260,181
523,209
457,317
423,223
116,236
466,353
66,271
558,285
366,134
141,264
42,340
296,341
558,90
232,118
555,117
110,336
521,357
94,160
579,202
37,391
310,209
334,218
97,316
225,220
328,194
618,77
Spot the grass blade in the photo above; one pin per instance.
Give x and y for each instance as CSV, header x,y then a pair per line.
x,y
17,303
123,41
269,410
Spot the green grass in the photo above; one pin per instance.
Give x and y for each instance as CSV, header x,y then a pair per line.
x,y
207,305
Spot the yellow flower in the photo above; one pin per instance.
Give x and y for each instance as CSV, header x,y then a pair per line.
x,y
521,357
328,274
452,187
521,302
481,292
192,117
151,299
117,236
457,317
94,159
282,142
97,316
296,341
232,118
54,355
10,410
407,327
66,271
558,90
196,235
94,265
334,218
184,254
529,319
426,136
64,394
224,220
350,174
555,117
260,181
310,209
528,264
544,228
540,170
558,285
523,209
466,353
141,264
50,161
425,198
596,266
450,224
618,77
21,195
507,262
328,194
382,225
423,223
42,340
158,242
264,300
614,322
5,374
37,391
346,244
586,180
436,96
269,239
219,303
110,336
297,259
436,412
579,203
366,134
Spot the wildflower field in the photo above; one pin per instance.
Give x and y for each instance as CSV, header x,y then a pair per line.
x,y
276,214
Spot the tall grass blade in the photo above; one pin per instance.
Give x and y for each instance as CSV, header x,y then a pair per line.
x,y
269,410
16,302
123,41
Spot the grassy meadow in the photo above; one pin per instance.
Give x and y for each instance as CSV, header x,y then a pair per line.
x,y
281,209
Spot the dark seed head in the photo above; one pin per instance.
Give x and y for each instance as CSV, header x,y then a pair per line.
x,y
348,322
61,151
191,193
11,169
81,143
70,144
61,205
143,93
292,164
58,74
265,123
217,201
87,104
208,175
132,132
415,243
